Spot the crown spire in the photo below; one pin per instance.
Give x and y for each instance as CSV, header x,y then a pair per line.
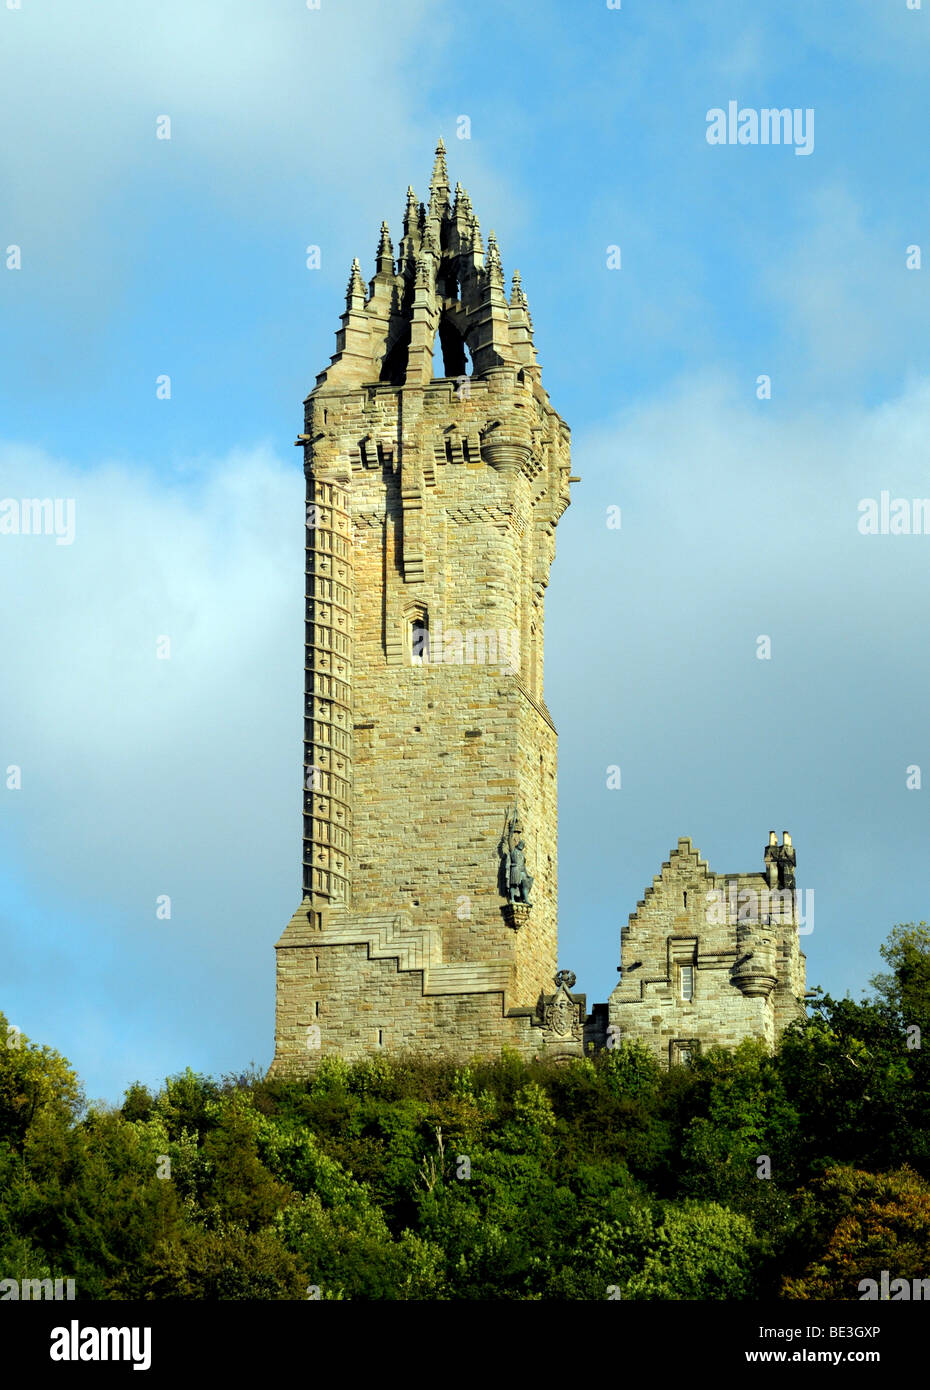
x,y
437,278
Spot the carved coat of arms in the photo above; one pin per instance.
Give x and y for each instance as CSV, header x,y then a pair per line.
x,y
561,1015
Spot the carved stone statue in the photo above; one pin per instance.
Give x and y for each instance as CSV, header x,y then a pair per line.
x,y
516,883
786,859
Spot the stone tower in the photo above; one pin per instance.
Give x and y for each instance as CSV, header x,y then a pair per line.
x,y
428,917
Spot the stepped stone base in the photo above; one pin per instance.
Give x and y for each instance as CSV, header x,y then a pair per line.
x,y
359,984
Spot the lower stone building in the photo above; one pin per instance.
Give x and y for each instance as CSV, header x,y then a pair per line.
x,y
709,959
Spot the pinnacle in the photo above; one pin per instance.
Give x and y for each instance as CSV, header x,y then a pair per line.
x,y
462,207
440,177
385,256
355,285
412,212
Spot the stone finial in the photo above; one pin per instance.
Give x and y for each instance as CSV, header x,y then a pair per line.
x,y
411,213
423,269
440,177
521,327
355,287
430,244
477,244
494,268
385,256
439,194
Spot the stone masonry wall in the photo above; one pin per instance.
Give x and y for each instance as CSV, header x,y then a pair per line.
x,y
739,969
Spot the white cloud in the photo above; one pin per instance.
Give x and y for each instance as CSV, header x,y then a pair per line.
x,y
271,107
143,776
740,520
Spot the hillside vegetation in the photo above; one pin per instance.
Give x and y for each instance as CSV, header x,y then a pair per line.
x,y
412,1179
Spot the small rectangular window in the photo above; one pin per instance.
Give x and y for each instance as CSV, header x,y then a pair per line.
x,y
684,1056
686,979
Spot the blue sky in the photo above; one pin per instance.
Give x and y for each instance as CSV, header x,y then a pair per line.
x,y
292,127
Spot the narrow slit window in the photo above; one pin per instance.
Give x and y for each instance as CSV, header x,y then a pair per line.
x,y
419,640
686,980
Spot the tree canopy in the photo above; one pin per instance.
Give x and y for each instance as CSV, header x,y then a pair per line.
x,y
743,1175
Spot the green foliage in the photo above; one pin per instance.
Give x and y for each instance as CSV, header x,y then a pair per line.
x,y
861,1224
859,1093
905,992
227,1263
699,1250
34,1081
745,1175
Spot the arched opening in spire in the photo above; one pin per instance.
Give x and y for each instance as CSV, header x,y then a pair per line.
x,y
439,363
450,352
394,366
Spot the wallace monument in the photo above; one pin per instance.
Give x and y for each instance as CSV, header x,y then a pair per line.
x,y
428,918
